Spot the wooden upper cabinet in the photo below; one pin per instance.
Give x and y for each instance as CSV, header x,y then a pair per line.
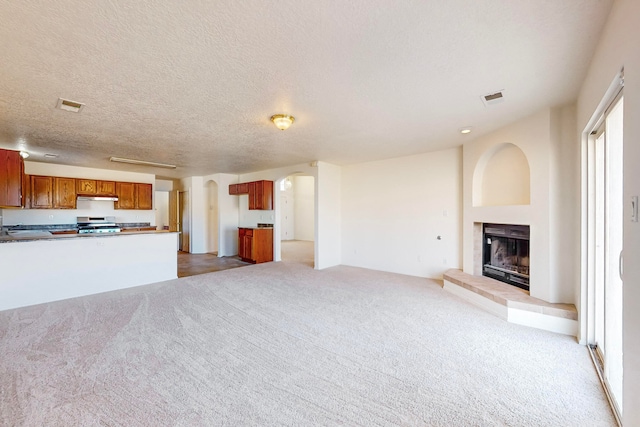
x,y
133,195
106,188
41,192
262,195
64,193
126,192
86,186
243,188
11,177
144,196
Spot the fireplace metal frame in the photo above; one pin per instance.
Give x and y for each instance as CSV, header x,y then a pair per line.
x,y
508,231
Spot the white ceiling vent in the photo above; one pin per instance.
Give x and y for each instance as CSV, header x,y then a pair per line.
x,y
67,105
493,98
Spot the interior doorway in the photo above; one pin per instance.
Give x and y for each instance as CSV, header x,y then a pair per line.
x,y
297,218
605,230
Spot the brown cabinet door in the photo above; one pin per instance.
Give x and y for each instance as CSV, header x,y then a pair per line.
x,y
126,192
252,196
233,189
247,252
41,192
64,193
86,186
11,173
243,188
106,188
144,196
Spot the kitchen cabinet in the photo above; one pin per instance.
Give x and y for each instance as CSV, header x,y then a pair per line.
x,y
86,186
260,194
106,188
237,189
144,196
133,195
95,187
261,198
255,245
64,193
11,178
41,192
128,229
126,192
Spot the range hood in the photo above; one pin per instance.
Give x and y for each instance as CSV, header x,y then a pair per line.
x,y
93,197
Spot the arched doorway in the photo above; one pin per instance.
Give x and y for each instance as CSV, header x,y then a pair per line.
x,y
295,227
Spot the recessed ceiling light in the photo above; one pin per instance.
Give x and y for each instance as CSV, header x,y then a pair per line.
x,y
67,105
141,162
51,156
465,130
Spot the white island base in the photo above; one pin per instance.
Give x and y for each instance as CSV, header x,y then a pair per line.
x,y
44,270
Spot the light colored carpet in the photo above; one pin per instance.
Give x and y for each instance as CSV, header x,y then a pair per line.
x,y
283,344
298,251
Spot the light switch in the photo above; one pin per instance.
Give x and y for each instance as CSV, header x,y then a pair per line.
x,y
634,208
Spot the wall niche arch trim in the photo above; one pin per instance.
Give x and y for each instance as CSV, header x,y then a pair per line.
x,y
502,177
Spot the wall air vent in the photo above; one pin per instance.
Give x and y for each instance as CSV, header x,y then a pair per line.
x,y
493,98
67,105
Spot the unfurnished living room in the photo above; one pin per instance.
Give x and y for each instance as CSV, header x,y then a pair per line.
x,y
391,213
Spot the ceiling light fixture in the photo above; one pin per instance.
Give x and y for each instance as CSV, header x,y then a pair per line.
x,y
465,130
24,154
141,162
282,121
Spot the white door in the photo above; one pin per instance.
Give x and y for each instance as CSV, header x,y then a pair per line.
x,y
608,217
287,221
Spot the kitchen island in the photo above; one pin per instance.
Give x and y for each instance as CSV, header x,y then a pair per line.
x,y
39,268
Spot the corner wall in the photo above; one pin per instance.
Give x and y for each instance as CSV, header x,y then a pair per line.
x,y
545,141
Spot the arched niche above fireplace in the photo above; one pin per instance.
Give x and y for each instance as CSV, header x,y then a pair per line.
x,y
502,177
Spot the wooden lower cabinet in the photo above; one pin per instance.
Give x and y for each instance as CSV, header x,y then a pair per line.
x,y
255,244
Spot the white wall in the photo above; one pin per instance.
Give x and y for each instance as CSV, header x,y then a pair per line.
x,y
162,209
227,214
304,207
618,47
84,208
506,178
394,210
328,238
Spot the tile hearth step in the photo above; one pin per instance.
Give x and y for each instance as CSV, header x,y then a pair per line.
x,y
517,305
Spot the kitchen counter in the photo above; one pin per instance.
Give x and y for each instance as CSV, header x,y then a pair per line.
x,y
37,270
30,235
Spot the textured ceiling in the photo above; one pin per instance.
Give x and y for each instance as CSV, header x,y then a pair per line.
x,y
194,83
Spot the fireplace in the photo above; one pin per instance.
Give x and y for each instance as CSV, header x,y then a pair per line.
x,y
506,253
